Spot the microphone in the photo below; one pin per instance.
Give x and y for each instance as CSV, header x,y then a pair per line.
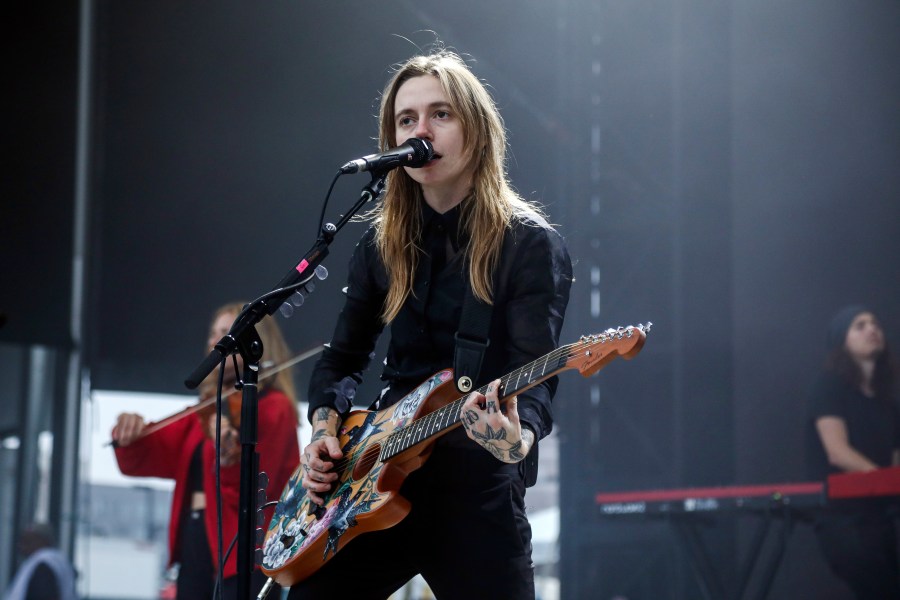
x,y
414,152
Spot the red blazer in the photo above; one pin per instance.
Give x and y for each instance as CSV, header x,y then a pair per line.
x,y
167,453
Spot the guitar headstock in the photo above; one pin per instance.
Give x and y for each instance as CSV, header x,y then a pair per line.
x,y
592,352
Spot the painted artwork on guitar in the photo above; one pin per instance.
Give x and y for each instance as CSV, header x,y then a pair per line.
x,y
382,447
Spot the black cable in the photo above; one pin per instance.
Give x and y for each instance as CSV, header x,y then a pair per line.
x,y
325,204
218,587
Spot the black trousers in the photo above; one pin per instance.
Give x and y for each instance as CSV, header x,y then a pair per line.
x,y
197,573
467,547
861,548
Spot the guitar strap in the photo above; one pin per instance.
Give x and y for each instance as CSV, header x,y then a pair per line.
x,y
472,340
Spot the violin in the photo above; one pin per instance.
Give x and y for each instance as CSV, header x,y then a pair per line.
x,y
231,401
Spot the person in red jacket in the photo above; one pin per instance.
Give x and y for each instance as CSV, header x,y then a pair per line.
x,y
185,451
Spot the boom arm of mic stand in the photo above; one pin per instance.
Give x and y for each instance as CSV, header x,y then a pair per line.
x,y
268,303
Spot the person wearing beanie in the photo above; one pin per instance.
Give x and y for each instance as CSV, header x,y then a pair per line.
x,y
854,426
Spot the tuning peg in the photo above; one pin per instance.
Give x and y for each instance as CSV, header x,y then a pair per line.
x,y
297,298
321,272
286,310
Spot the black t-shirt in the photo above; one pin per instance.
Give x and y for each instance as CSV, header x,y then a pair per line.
x,y
873,424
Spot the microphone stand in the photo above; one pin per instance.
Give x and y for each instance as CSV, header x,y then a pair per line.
x,y
244,339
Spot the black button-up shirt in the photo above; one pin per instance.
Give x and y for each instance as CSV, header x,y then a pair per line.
x,y
531,291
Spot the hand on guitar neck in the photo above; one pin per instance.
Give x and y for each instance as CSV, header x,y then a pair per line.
x,y
498,433
319,455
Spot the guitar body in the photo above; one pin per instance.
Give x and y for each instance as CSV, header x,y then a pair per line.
x,y
381,448
366,495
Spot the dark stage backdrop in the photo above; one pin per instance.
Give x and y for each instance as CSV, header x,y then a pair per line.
x,y
727,170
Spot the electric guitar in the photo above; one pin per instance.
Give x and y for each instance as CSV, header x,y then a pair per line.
x,y
382,447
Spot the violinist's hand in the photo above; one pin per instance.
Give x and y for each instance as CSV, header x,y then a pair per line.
x,y
229,441
128,428
500,434
319,457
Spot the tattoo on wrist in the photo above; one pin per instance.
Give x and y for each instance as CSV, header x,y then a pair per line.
x,y
497,442
319,434
323,413
515,452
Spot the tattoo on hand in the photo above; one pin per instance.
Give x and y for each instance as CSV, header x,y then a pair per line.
x,y
470,417
496,442
490,434
492,407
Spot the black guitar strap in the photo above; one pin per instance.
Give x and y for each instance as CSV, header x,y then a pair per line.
x,y
472,339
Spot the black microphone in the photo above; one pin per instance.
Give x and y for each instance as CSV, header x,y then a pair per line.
x,y
414,152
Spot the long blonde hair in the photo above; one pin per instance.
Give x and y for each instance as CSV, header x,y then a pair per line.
x,y
491,203
275,350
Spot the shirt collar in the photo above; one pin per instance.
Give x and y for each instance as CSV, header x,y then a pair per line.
x,y
449,220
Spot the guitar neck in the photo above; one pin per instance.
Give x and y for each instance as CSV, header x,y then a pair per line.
x,y
589,355
435,424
